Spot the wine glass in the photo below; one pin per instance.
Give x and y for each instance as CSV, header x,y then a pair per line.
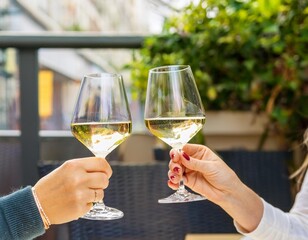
x,y
102,121
174,113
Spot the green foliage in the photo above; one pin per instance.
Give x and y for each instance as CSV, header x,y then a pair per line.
x,y
245,55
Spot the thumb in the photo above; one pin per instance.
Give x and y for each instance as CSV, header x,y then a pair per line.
x,y
193,163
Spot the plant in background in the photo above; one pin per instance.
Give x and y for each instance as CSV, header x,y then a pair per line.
x,y
245,54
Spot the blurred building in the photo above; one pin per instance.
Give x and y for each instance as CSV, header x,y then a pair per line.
x,y
62,69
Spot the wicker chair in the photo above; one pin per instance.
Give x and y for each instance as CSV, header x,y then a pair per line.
x,y
10,166
265,172
136,188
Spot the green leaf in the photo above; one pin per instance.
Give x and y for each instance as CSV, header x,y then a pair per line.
x,y
269,7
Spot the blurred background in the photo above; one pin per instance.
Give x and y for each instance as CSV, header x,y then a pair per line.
x,y
60,70
249,59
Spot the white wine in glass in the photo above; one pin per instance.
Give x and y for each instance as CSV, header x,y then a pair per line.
x,y
174,113
102,121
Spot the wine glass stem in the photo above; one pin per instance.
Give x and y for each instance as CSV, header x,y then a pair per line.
x,y
181,188
101,204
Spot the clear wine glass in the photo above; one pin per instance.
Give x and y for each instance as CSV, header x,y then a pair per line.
x,y
102,121
174,113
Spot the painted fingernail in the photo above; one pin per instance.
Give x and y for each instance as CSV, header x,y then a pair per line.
x,y
186,156
172,155
172,177
176,169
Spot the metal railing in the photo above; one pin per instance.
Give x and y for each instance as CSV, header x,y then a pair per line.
x,y
28,46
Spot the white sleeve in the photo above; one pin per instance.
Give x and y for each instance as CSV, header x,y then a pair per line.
x,y
278,225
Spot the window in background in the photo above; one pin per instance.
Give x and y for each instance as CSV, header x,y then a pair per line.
x,y
9,90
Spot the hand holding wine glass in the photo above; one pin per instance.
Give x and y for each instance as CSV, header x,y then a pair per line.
x,y
174,113
102,121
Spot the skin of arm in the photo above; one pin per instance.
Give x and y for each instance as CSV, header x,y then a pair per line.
x,y
206,173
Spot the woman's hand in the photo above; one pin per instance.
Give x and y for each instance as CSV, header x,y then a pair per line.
x,y
204,172
69,191
207,174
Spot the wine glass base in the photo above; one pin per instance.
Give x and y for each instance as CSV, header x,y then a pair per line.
x,y
103,213
182,197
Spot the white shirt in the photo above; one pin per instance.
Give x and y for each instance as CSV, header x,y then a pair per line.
x,y
278,225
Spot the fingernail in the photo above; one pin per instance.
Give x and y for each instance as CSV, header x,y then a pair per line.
x,y
176,169
186,156
172,155
172,177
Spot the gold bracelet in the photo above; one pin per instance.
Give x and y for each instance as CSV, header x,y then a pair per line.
x,y
39,206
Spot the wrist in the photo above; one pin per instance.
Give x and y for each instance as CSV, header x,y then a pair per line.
x,y
244,206
44,217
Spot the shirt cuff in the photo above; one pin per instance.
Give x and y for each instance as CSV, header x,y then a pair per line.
x,y
22,214
269,224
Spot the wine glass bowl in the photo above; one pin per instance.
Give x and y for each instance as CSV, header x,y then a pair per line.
x,y
174,113
101,121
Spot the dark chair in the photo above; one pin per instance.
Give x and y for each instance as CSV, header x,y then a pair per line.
x,y
266,172
135,190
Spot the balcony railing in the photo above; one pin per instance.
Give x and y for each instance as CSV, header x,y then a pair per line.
x,y
28,46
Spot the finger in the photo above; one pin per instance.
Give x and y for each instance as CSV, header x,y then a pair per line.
x,y
88,207
172,185
195,150
174,177
97,180
193,163
95,164
95,195
175,167
174,155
